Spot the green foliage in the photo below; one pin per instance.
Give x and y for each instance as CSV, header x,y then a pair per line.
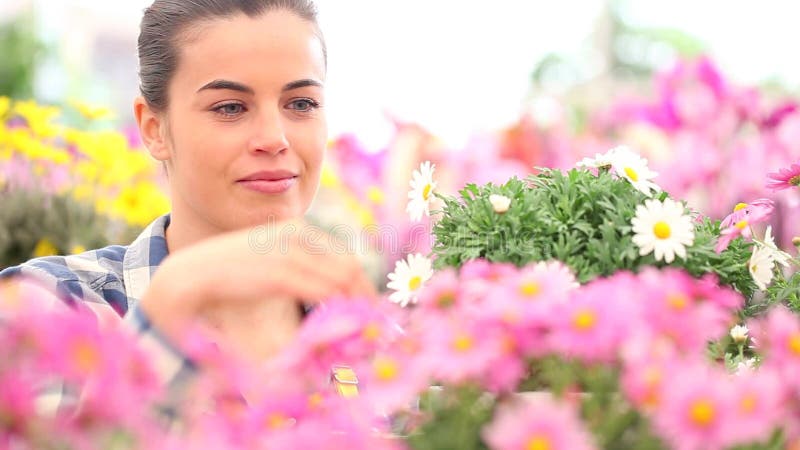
x,y
453,418
20,50
783,290
27,217
579,218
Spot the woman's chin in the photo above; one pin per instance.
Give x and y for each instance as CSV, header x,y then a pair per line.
x,y
271,215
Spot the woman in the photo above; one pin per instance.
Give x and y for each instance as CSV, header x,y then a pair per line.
x,y
233,104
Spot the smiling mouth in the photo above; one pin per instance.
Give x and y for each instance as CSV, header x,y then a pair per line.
x,y
269,186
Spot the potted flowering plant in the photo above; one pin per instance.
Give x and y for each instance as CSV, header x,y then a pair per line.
x,y
627,318
640,355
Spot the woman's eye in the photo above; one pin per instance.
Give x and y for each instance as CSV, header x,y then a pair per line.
x,y
230,109
303,105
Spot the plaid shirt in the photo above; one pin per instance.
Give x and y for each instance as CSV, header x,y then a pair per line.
x,y
114,277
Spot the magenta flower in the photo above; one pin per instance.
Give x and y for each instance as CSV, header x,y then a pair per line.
x,y
17,409
392,380
537,423
441,292
596,321
686,311
344,331
460,350
647,363
698,411
784,178
777,337
757,211
740,221
759,399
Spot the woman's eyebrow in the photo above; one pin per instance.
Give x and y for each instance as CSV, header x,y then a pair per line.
x,y
301,84
227,84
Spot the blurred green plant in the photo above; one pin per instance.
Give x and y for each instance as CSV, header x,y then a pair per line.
x,y
20,50
34,224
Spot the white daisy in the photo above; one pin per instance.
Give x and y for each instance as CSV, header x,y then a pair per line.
x,y
663,228
761,266
500,203
421,194
600,160
632,167
408,278
778,255
739,334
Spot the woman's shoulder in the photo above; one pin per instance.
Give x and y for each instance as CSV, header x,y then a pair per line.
x,y
94,275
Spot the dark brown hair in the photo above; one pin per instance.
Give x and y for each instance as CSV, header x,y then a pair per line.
x,y
165,21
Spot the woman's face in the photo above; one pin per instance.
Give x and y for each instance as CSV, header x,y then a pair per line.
x,y
245,129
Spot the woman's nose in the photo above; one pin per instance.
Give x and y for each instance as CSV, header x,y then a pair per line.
x,y
269,135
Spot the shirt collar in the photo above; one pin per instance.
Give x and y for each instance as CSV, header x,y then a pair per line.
x,y
143,257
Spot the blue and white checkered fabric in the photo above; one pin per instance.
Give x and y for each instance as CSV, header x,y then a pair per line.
x,y
115,277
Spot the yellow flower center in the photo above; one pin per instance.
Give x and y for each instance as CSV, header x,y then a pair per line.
x,y
631,174
414,282
794,343
426,191
748,403
375,195
385,369
702,412
315,400
662,230
276,420
371,332
85,356
446,299
742,224
538,442
530,289
739,207
652,376
677,301
795,180
462,342
584,320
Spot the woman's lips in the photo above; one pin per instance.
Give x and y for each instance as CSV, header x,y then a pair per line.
x,y
277,186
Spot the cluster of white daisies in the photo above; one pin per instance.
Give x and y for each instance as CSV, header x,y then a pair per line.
x,y
660,227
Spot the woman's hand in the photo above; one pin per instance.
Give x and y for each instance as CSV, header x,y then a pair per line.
x,y
248,286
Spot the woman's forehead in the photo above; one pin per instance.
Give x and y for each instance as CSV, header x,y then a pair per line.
x,y
277,46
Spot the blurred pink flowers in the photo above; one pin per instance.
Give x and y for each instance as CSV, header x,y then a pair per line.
x,y
537,423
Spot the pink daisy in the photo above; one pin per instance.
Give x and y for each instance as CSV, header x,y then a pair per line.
x,y
784,178
676,308
507,368
777,337
441,292
597,320
344,331
646,367
392,381
759,397
698,411
537,423
17,404
740,221
460,351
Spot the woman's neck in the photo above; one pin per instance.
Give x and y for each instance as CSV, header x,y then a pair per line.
x,y
184,230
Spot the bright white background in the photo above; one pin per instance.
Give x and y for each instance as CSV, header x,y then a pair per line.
x,y
454,66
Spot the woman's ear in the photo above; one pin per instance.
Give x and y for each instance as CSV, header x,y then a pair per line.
x,y
152,128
